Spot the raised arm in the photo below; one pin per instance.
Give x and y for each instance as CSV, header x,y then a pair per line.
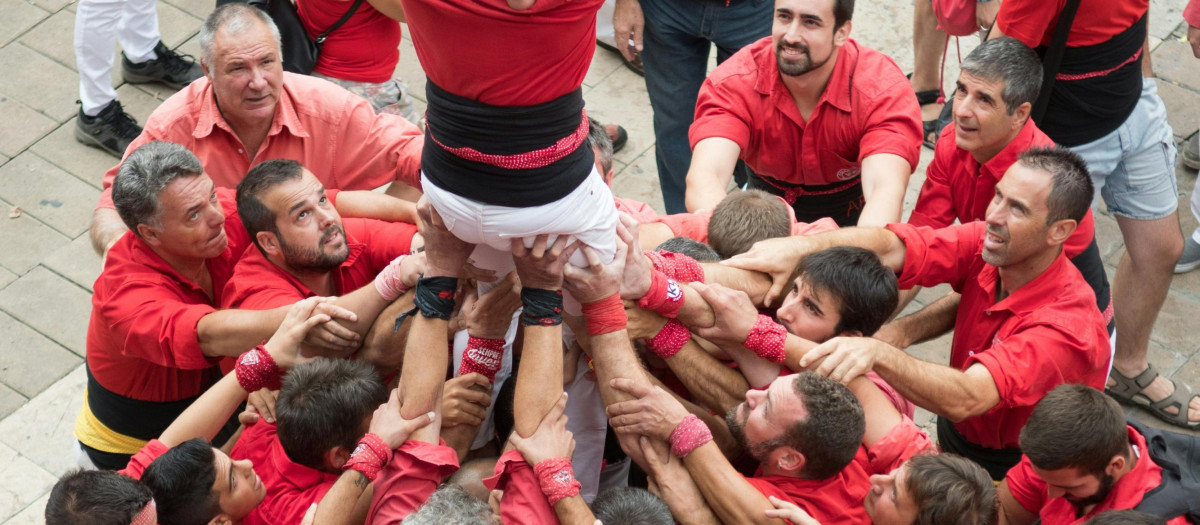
x,y
373,205
713,160
884,181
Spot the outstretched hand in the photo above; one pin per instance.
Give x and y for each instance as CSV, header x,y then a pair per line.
x,y
775,257
445,253
284,345
597,280
653,412
733,314
541,266
389,425
550,440
844,358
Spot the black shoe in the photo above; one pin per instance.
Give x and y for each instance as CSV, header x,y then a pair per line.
x,y
170,68
111,130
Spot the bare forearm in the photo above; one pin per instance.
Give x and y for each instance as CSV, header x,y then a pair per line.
x,y
795,347
425,361
932,321
373,205
884,180
574,511
716,386
536,393
713,160
232,332
731,497
366,303
338,505
106,228
205,417
755,284
945,391
613,357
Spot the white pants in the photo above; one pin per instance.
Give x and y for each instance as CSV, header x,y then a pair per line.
x,y
100,23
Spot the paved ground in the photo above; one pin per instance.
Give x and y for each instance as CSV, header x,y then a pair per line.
x,y
49,185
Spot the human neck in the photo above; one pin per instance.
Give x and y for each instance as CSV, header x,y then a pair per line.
x,y
191,268
1016,275
985,154
807,89
321,283
251,133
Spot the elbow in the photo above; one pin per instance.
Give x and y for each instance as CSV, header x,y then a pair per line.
x,y
966,409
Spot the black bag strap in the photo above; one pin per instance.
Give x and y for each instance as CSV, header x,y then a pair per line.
x,y
1053,58
321,37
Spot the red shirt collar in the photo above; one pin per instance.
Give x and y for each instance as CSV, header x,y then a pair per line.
x,y
210,115
999,164
1032,295
837,91
256,257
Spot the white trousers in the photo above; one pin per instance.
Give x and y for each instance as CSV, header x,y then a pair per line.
x,y
98,25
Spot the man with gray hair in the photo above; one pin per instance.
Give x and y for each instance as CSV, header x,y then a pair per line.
x,y
155,335
247,110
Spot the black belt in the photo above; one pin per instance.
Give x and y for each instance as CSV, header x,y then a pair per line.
x,y
995,461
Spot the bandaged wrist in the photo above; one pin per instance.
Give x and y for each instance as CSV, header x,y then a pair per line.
x,y
669,340
664,297
390,282
557,479
483,356
256,369
435,296
766,339
690,434
605,316
541,307
677,266
369,457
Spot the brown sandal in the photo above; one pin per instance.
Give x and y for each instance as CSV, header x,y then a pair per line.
x,y
1129,390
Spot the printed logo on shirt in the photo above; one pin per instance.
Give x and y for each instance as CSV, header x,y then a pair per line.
x,y
848,173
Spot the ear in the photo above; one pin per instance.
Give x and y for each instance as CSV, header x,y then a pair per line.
x,y
336,457
204,67
850,333
841,34
1059,231
1021,115
1116,465
269,243
788,460
150,235
608,177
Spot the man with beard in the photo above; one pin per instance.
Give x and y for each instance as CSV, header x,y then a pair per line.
x,y
1082,458
1027,321
306,249
828,124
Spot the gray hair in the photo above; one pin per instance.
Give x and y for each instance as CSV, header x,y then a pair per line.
x,y
233,18
142,177
599,138
631,506
1012,62
451,505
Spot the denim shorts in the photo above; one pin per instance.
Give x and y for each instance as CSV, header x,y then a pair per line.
x,y
1133,167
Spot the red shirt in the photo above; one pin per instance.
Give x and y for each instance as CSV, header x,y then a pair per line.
x,y
1031,491
1044,334
291,487
138,463
364,49
1032,21
1191,13
332,132
258,284
957,187
694,225
141,340
867,108
416,470
523,501
485,51
839,499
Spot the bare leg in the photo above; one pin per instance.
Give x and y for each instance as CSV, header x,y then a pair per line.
x,y
928,42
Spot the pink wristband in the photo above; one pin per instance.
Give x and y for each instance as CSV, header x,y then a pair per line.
x,y
556,479
669,340
664,296
483,356
766,339
390,282
369,456
689,435
256,369
677,266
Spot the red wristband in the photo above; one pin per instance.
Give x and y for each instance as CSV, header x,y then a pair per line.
x,y
669,340
690,435
556,479
369,456
766,339
256,369
605,316
664,297
482,355
677,266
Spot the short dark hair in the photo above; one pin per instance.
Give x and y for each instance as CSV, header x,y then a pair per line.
x,y
256,217
743,218
690,247
843,11
950,490
182,482
95,497
598,138
323,404
1075,426
857,278
831,434
1007,60
142,177
1071,188
631,506
1125,517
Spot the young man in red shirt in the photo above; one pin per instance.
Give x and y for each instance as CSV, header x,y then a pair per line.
x,y
1082,459
1027,321
828,124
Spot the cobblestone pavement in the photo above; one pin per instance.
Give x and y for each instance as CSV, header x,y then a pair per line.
x,y
49,185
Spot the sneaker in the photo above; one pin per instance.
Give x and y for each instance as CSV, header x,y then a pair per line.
x,y
111,130
1191,152
1190,260
170,68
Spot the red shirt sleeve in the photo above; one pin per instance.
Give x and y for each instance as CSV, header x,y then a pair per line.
x,y
416,470
138,463
1028,20
690,225
824,224
1026,487
1191,13
935,204
376,149
523,501
384,240
1029,363
933,257
904,441
155,325
893,125
721,111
